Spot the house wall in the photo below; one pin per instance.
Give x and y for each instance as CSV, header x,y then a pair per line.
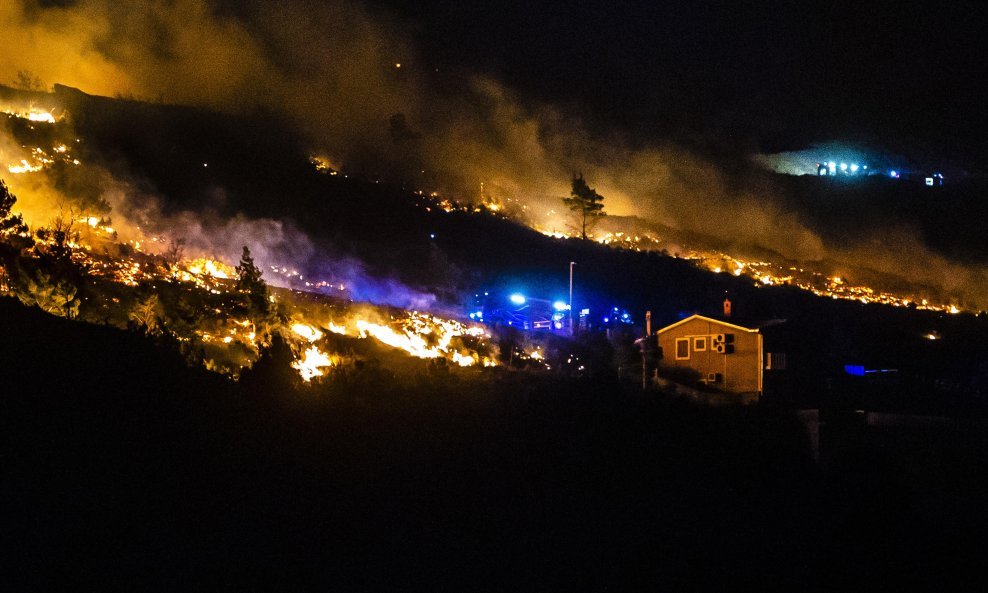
x,y
741,371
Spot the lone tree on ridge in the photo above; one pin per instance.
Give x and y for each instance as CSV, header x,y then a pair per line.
x,y
586,204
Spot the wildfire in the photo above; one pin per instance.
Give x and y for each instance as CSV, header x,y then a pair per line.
x,y
210,267
39,159
186,298
307,331
424,336
412,343
767,273
323,165
312,363
31,114
98,225
24,167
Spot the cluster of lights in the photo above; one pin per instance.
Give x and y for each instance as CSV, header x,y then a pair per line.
x,y
831,168
617,315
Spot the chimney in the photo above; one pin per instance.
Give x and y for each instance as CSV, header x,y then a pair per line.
x,y
648,323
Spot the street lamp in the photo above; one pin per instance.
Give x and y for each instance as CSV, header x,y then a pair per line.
x,y
571,264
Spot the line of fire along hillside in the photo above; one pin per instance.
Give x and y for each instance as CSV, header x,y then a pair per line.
x,y
140,282
231,339
763,273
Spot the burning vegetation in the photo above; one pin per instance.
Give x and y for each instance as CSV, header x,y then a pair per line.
x,y
218,314
817,278
76,261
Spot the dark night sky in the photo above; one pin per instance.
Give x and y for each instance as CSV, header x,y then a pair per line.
x,y
890,72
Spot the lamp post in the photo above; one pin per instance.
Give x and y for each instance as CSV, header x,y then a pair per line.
x,y
571,264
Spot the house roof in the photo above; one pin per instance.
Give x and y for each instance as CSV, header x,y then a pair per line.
x,y
709,319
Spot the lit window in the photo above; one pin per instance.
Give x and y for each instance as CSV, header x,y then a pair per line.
x,y
683,349
699,344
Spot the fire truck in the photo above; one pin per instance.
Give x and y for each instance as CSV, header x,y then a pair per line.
x,y
520,311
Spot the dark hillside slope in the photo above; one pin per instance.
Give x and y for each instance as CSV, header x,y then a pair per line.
x,y
122,468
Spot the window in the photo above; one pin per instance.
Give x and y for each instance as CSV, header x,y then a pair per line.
x,y
699,344
682,348
776,361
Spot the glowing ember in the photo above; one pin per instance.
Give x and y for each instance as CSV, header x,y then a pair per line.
x,y
41,116
311,363
411,343
31,114
463,361
423,336
210,267
306,331
40,159
24,167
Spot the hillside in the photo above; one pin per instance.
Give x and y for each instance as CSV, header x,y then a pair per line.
x,y
125,468
218,182
430,452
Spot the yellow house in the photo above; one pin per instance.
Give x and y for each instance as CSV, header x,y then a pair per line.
x,y
727,356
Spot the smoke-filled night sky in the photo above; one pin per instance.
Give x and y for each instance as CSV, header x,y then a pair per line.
x,y
664,108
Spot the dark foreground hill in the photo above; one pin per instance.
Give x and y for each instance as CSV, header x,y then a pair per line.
x,y
124,469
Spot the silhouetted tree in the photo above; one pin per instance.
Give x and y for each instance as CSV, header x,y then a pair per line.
x,y
249,281
586,204
34,286
146,314
272,372
9,224
173,255
60,235
27,81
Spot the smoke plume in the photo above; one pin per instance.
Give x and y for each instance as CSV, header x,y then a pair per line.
x,y
352,79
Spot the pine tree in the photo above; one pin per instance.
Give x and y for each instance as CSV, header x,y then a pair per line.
x,y
249,281
586,204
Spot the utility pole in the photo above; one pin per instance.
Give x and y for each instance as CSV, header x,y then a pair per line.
x,y
646,349
571,264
